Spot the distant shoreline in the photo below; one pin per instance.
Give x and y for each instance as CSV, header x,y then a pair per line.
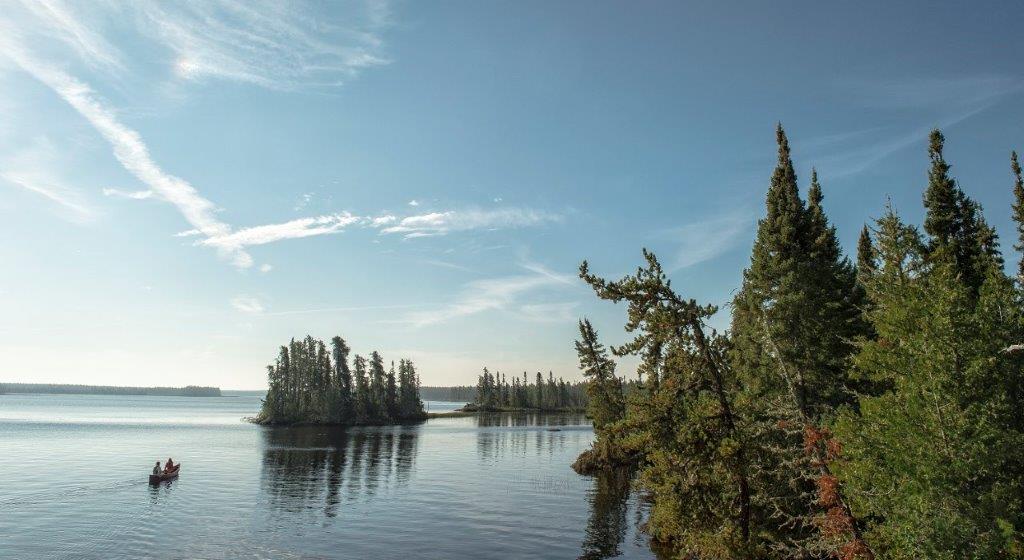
x,y
70,389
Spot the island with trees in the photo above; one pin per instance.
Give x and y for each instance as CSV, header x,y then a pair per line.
x,y
66,389
854,410
309,384
494,393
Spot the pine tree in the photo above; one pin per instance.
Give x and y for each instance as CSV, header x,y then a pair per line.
x,y
363,399
1018,211
605,405
694,456
932,460
955,234
940,198
378,390
866,258
391,394
800,294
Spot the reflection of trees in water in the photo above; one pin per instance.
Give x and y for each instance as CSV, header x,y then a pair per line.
x,y
312,466
607,525
495,443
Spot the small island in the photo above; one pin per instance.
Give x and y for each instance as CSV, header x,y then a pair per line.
x,y
495,393
310,385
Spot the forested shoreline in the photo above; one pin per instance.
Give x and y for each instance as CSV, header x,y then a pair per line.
x,y
310,385
854,410
494,393
70,389
454,393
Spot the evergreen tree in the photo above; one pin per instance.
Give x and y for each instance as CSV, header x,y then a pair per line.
x,y
1018,211
378,390
934,461
694,458
799,293
309,384
343,376
363,399
391,394
605,405
951,221
866,258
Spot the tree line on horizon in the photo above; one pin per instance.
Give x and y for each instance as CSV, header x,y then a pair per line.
x,y
495,392
854,410
308,384
453,393
74,389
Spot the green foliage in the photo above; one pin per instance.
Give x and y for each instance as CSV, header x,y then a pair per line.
x,y
682,420
309,385
852,412
494,392
934,463
1018,211
955,230
799,291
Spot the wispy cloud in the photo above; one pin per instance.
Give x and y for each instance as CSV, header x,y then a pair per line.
x,y
273,45
441,223
59,20
247,304
924,103
127,144
853,158
236,241
33,169
705,240
303,201
278,45
495,294
930,92
134,195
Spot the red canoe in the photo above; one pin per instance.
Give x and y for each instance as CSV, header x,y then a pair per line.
x,y
158,478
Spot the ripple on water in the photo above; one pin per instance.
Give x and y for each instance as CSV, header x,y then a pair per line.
x,y
484,487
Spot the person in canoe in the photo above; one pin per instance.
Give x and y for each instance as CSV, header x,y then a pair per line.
x,y
169,467
156,469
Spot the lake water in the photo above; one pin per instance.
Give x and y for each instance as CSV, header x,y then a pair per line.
x,y
73,484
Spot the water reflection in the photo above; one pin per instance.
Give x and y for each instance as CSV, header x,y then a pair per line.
x,y
512,434
607,524
312,467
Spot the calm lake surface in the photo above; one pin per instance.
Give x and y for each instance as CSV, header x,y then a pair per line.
x,y
73,484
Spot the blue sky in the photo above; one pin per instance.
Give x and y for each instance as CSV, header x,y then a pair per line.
x,y
185,186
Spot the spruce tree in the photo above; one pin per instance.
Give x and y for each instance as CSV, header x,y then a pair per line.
x,y
605,403
955,234
1018,212
378,390
798,297
931,461
866,258
694,456
940,198
363,399
343,378
391,394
